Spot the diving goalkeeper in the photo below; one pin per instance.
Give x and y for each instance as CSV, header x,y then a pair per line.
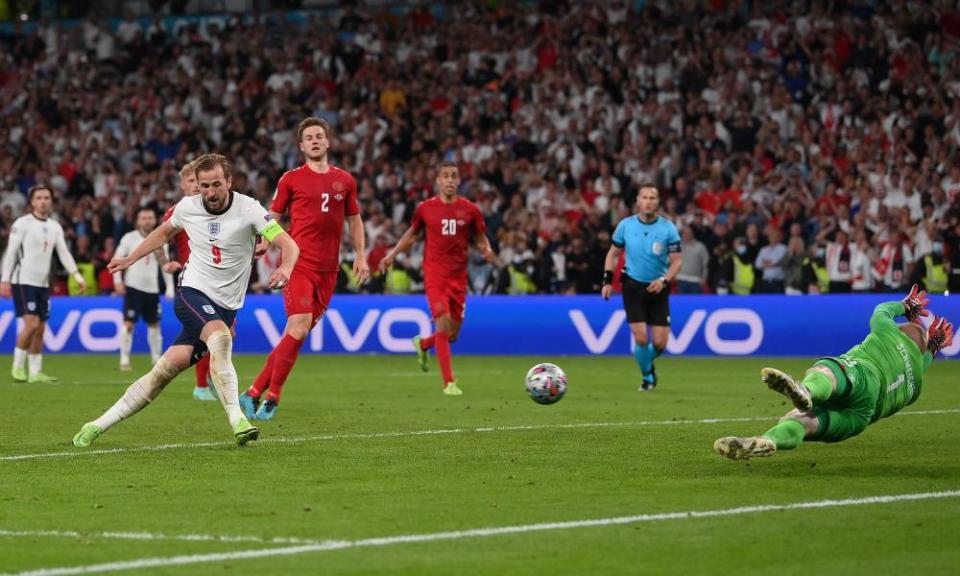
x,y
840,396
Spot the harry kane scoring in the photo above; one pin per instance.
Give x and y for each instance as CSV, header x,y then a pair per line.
x,y
26,276
222,226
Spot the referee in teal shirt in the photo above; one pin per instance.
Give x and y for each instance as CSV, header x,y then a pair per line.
x,y
653,259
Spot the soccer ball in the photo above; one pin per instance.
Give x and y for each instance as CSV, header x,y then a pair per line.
x,y
546,383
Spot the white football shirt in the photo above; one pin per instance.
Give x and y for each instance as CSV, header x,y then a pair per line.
x,y
144,273
29,251
221,246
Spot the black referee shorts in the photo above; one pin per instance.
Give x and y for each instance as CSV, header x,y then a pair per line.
x,y
643,306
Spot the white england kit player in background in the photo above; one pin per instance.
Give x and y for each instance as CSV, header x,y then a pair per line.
x,y
222,226
140,287
25,275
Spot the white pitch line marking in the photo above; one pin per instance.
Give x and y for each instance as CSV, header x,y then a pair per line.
x,y
328,545
412,433
153,536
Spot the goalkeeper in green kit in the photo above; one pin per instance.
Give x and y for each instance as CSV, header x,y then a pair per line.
x,y
840,396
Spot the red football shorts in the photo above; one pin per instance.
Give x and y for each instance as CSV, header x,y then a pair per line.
x,y
445,298
309,293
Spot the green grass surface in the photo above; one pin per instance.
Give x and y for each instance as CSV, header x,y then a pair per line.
x,y
347,478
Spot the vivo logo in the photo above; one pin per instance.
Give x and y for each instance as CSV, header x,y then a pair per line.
x,y
679,342
353,339
55,338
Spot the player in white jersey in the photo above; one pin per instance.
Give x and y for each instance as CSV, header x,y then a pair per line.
x,y
140,287
222,226
25,275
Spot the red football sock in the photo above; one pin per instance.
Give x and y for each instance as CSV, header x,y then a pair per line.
x,y
443,356
203,371
285,356
427,343
263,378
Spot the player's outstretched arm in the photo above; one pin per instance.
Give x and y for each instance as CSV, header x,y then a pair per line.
x,y
361,270
160,236
406,241
613,255
289,254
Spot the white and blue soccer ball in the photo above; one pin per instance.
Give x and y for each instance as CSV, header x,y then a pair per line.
x,y
546,383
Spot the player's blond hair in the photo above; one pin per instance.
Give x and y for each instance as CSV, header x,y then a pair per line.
x,y
187,169
209,162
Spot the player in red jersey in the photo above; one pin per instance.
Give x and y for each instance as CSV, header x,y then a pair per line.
x,y
318,198
181,248
450,223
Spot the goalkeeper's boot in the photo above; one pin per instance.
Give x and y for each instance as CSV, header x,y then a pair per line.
x,y
245,432
786,385
248,404
204,393
267,410
18,374
451,389
421,354
87,434
41,378
744,448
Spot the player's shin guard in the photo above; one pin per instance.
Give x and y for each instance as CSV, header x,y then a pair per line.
x,y
126,343
428,342
284,357
442,343
787,435
202,369
155,341
224,375
139,394
818,384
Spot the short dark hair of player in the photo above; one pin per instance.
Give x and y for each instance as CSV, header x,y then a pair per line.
x,y
36,188
309,122
209,162
650,185
448,164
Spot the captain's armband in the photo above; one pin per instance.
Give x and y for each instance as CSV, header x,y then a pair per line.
x,y
271,231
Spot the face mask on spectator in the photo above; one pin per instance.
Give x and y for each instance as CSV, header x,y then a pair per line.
x,y
741,250
938,248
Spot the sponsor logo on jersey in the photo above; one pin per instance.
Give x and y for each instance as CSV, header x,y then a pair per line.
x,y
658,248
267,217
213,228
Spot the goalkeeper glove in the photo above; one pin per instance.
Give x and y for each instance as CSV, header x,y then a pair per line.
x,y
939,335
914,305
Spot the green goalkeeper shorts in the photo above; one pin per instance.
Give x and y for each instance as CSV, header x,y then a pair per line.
x,y
846,415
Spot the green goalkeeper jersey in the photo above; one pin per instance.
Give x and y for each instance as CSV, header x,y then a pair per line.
x,y
892,358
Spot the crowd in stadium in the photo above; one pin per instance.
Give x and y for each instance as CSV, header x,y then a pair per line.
x,y
799,148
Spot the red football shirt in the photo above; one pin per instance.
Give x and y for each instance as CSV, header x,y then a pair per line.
x,y
181,242
448,229
317,204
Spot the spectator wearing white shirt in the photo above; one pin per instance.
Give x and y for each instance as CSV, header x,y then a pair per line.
x,y
770,262
861,265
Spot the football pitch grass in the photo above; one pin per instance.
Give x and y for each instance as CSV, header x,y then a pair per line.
x,y
369,469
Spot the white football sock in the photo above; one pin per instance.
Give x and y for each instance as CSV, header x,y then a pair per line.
x,y
139,394
155,340
224,375
19,358
126,343
35,362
